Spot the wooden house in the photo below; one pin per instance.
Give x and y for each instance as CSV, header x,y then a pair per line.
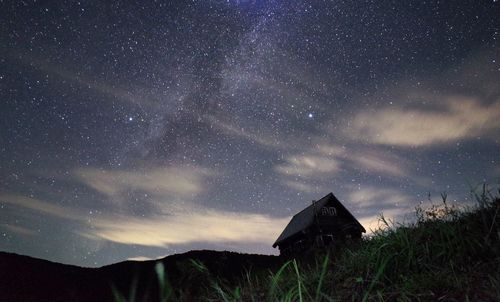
x,y
324,223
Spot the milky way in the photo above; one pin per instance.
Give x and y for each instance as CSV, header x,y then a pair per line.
x,y
134,131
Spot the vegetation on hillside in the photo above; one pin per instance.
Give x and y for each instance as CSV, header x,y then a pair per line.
x,y
449,253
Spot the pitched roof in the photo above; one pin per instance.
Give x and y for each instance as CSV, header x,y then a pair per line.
x,y
305,218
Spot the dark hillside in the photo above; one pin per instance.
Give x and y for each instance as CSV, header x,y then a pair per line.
x,y
24,278
448,254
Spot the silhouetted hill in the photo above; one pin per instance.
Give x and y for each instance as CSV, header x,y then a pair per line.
x,y
23,278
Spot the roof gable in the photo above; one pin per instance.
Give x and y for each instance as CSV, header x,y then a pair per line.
x,y
305,218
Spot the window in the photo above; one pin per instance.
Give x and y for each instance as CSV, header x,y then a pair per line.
x,y
328,211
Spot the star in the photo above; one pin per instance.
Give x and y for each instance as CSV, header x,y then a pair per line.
x,y
235,110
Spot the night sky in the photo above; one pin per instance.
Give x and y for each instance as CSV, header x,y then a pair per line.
x,y
139,130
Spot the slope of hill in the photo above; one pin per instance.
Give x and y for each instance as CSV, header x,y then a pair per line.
x,y
23,278
447,254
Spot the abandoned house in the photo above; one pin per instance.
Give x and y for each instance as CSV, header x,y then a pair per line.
x,y
325,222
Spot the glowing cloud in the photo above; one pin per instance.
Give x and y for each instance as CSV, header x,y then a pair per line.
x,y
194,225
207,226
459,118
144,258
171,181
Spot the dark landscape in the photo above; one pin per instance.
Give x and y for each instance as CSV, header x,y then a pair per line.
x,y
448,254
249,150
24,278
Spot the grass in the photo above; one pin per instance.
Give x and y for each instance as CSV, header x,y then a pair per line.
x,y
449,253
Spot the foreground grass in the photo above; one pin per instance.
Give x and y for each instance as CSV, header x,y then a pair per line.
x,y
447,254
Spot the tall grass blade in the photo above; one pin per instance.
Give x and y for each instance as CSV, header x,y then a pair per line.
x,y
276,278
377,276
322,277
299,281
165,290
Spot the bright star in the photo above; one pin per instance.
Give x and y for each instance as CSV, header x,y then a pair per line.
x,y
310,115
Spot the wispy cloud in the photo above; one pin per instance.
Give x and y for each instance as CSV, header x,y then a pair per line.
x,y
206,226
303,186
251,135
78,77
192,225
39,206
457,118
379,197
371,202
325,161
167,181
23,231
308,165
379,162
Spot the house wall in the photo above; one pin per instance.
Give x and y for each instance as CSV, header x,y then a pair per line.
x,y
332,226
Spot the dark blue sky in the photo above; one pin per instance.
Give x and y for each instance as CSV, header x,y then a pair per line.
x,y
138,130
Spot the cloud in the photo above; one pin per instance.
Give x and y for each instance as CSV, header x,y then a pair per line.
x,y
208,226
302,186
19,230
145,258
40,206
168,181
379,197
458,118
308,165
262,139
373,222
371,202
203,225
373,161
323,161
93,83
193,225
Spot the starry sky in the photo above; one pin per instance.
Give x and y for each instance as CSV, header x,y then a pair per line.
x,y
139,130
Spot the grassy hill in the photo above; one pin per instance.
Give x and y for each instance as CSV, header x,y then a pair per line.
x,y
448,254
